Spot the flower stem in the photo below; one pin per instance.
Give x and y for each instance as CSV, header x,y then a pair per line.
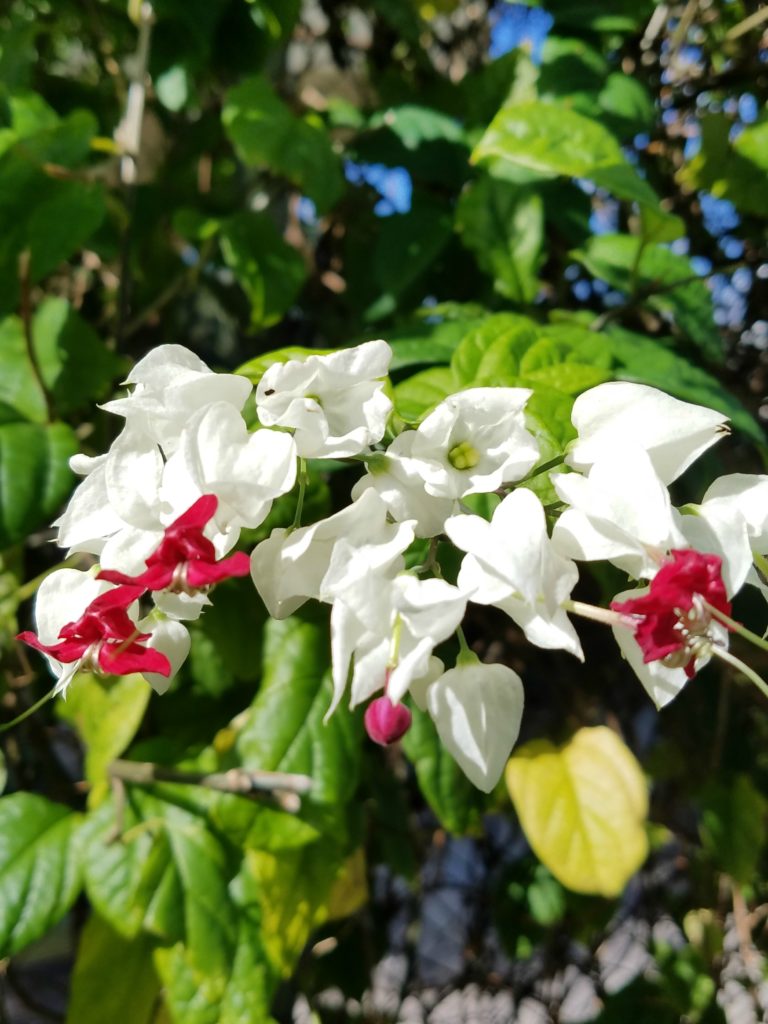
x,y
738,664
30,711
302,475
591,611
736,627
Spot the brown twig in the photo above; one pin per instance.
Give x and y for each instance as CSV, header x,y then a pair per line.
x,y
284,787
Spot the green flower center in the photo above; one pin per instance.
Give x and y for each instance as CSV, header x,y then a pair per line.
x,y
463,456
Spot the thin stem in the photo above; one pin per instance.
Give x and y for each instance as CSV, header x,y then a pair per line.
x,y
466,654
736,627
738,664
30,711
591,611
284,787
302,475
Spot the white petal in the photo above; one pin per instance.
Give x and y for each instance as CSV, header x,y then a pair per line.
x,y
674,433
477,711
173,640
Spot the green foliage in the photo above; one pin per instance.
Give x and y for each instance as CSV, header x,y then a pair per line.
x,y
267,135
40,867
130,994
447,790
734,825
34,476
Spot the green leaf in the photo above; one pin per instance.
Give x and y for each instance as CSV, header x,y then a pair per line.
x,y
414,125
107,715
266,134
423,343
626,104
733,827
408,244
128,877
650,274
270,271
20,389
734,171
491,352
647,361
49,215
114,979
417,395
552,140
582,807
34,476
39,868
456,802
610,16
504,226
76,366
239,988
294,889
284,729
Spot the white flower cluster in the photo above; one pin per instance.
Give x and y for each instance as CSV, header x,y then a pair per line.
x,y
168,501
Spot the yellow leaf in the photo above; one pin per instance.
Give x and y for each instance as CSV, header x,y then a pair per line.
x,y
107,714
582,807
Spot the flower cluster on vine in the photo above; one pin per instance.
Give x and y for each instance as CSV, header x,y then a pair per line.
x,y
161,514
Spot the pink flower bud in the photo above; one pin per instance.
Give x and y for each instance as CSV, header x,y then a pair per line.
x,y
386,722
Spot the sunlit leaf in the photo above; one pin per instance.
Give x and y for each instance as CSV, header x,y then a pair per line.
x,y
582,806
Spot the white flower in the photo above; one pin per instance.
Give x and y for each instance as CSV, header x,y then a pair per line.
x,y
335,404
613,415
171,384
387,629
473,442
620,512
477,711
289,566
217,455
61,598
397,478
512,564
122,489
171,639
662,682
732,521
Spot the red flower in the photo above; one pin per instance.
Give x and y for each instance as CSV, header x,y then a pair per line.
x,y
674,611
105,638
386,722
185,560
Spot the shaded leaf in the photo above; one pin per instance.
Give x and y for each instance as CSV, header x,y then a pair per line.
x,y
733,827
284,729
39,868
269,270
650,274
113,979
34,476
504,226
266,134
450,794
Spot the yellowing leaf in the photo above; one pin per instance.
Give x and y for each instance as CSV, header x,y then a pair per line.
x,y
107,716
582,807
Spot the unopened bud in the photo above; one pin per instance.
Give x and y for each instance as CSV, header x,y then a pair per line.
x,y
386,722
